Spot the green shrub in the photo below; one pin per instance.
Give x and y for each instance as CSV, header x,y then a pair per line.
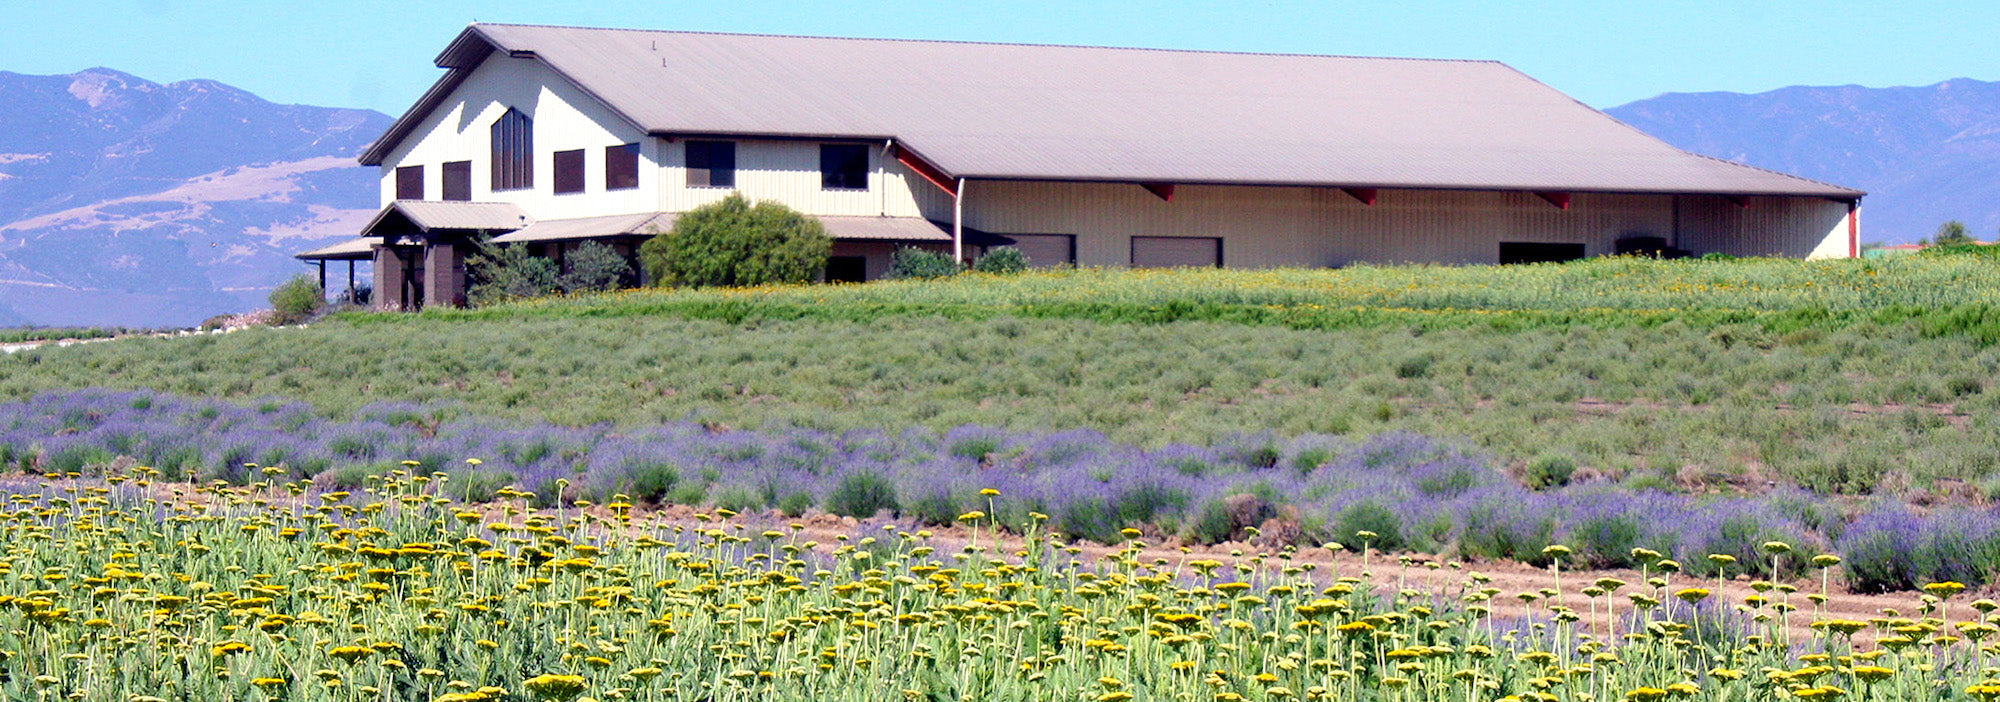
x,y
1005,260
297,300
1212,525
594,267
732,243
1373,517
937,508
503,272
911,262
795,504
737,498
1549,470
862,495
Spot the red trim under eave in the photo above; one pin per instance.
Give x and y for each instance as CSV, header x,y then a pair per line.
x,y
1853,229
929,172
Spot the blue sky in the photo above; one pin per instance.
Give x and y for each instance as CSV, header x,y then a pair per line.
x,y
377,53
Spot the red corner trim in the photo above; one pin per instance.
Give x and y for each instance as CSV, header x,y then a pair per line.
x,y
1560,200
1164,191
929,172
1365,195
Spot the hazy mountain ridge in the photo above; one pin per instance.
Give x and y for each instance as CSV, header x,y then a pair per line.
x,y
1925,154
124,201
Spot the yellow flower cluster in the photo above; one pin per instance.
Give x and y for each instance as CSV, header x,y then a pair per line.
x,y
391,593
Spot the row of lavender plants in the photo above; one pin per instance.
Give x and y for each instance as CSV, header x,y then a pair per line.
x,y
1413,493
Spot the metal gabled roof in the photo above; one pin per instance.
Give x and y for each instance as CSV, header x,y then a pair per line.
x,y
1033,112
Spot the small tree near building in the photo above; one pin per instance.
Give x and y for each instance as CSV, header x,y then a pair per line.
x,y
594,267
506,272
297,300
735,243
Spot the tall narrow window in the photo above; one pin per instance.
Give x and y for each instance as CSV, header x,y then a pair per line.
x,y
621,167
843,166
513,151
569,171
410,183
458,180
711,164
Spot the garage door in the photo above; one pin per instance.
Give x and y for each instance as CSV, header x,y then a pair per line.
x,y
1169,251
1046,250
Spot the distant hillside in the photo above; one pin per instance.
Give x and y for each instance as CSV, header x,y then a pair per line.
x,y
1926,154
128,202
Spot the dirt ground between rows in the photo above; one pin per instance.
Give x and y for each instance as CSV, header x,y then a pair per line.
x,y
1390,573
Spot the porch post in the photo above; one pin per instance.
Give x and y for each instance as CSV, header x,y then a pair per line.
x,y
322,278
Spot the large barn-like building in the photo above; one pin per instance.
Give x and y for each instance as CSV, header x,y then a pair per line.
x,y
551,136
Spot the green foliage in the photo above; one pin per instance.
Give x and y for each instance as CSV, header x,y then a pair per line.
x,y
1548,470
504,272
296,300
1005,260
913,263
1373,517
861,495
1952,233
732,243
594,267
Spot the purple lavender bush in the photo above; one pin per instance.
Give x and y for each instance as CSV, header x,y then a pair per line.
x,y
1413,492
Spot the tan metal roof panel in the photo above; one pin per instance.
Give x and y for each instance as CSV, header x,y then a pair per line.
x,y
884,228
1134,115
644,223
351,250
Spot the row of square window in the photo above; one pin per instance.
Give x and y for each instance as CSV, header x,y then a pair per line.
x,y
709,164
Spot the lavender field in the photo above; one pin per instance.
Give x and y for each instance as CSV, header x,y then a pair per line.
x,y
1414,493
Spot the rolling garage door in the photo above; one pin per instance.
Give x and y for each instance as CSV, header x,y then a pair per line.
x,y
1169,251
1046,250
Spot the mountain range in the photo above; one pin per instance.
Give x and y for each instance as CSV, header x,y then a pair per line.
x,y
133,203
1925,155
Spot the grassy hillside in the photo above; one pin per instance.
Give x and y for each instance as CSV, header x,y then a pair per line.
x,y
1846,377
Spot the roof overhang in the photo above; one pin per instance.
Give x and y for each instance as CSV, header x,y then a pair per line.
x,y
356,249
643,224
425,216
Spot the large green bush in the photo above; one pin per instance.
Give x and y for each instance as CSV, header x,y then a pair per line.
x,y
500,273
297,300
734,243
1005,260
911,262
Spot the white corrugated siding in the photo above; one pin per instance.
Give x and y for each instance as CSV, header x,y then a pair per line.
x,y
565,118
1799,227
1263,227
788,172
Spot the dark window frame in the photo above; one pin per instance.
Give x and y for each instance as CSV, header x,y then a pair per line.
x,y
566,171
840,164
710,164
513,137
410,179
457,177
1527,252
621,167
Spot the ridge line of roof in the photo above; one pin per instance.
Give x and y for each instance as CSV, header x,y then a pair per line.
x,y
962,42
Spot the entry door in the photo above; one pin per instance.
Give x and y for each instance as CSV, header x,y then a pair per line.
x,y
846,269
1172,251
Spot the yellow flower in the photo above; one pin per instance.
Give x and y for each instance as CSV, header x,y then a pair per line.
x,y
561,688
